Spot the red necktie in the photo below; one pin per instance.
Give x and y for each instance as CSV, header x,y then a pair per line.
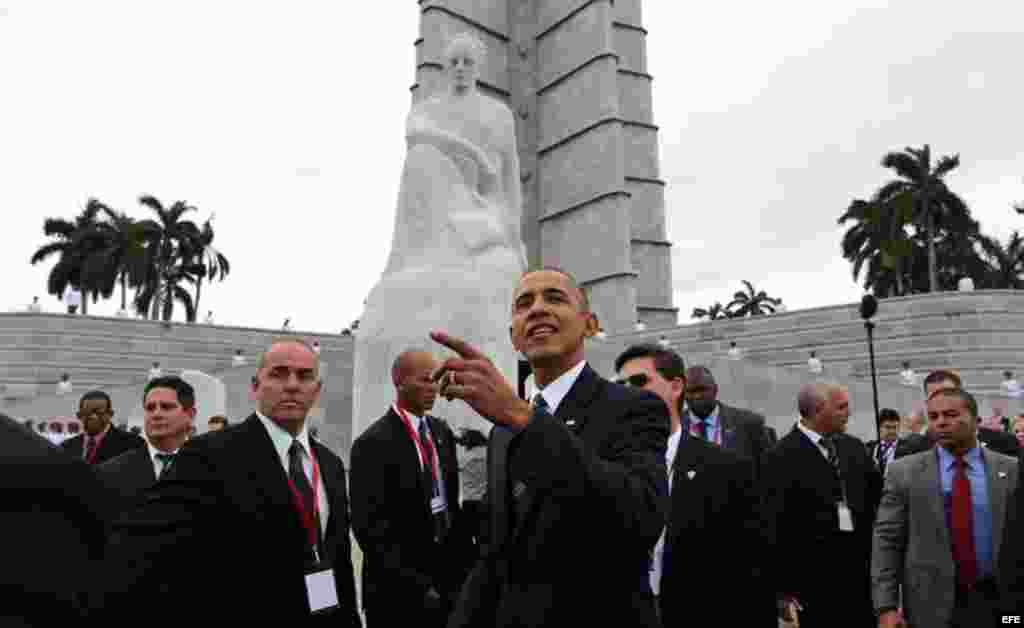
x,y
963,527
90,450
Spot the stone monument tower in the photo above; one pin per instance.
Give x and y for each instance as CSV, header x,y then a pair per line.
x,y
574,73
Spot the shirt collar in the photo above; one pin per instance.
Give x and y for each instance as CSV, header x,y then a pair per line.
x,y
973,458
153,451
712,419
282,438
99,437
809,433
556,391
413,418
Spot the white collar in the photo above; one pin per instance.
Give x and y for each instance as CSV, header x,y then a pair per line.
x,y
811,434
153,451
556,391
282,438
413,418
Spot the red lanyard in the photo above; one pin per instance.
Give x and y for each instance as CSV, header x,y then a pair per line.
x,y
310,516
426,449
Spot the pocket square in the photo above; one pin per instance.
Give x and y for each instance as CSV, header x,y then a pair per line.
x,y
518,490
690,474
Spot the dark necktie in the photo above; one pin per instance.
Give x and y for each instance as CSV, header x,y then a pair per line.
x,y
90,449
431,477
166,460
301,483
702,427
833,459
539,403
962,521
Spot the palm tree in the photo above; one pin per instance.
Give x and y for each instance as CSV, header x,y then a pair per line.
x,y
120,255
73,242
214,264
712,313
171,291
879,239
1006,262
752,302
922,187
170,244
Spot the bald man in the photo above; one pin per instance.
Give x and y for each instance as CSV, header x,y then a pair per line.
x,y
821,497
405,505
740,431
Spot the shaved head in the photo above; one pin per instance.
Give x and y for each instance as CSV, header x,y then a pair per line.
x,y
407,362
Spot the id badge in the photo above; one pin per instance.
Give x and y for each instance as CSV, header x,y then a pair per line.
x,y
320,590
845,517
437,504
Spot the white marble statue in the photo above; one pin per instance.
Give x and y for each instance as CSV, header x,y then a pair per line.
x,y
457,250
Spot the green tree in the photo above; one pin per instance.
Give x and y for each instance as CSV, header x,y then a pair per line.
x,y
1006,262
171,245
712,313
921,185
878,238
751,302
214,264
119,257
73,242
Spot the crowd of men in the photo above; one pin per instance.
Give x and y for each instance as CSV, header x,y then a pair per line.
x,y
644,501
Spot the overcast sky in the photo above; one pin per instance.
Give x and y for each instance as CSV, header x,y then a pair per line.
x,y
285,119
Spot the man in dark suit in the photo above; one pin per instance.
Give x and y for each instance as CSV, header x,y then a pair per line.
x,y
1011,560
738,430
100,440
405,505
883,451
169,407
714,512
54,516
821,497
996,440
280,496
577,483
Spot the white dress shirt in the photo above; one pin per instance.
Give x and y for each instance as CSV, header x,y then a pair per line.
x,y
158,466
556,391
282,440
659,547
814,436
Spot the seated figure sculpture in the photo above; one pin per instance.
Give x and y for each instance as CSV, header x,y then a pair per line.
x,y
457,249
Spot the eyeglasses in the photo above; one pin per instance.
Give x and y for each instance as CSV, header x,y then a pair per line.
x,y
636,381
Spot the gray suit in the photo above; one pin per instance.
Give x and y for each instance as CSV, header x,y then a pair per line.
x,y
912,550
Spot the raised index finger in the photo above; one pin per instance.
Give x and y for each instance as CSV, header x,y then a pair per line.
x,y
465,350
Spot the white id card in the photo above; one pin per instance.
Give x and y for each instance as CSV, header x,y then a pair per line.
x,y
437,505
320,590
845,517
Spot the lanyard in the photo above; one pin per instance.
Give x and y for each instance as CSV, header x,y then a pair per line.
x,y
310,516
426,449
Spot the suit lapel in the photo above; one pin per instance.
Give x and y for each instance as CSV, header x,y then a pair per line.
x,y
330,470
997,475
497,482
143,469
928,472
409,457
727,425
689,486
269,479
573,412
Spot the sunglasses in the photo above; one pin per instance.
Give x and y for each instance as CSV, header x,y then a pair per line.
x,y
636,381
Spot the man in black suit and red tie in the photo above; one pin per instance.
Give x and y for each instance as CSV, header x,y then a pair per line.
x,y
249,524
714,512
169,408
100,440
405,505
577,483
821,495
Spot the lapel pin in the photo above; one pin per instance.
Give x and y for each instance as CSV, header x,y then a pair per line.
x,y
518,490
691,473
